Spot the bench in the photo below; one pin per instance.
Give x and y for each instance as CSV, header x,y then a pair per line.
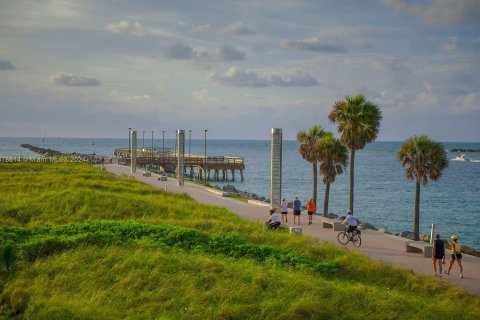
x,y
297,230
147,174
419,246
162,178
331,223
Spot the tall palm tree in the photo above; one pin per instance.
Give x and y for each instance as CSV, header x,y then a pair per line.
x,y
424,159
358,122
333,157
308,141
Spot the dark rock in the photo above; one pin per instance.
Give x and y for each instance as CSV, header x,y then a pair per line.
x,y
425,237
290,205
406,234
367,226
333,216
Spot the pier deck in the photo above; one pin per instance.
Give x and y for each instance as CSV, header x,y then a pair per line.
x,y
196,165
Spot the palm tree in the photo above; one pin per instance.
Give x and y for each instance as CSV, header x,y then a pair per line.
x,y
333,157
358,123
308,141
424,159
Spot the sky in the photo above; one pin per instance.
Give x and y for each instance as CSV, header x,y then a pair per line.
x,y
237,68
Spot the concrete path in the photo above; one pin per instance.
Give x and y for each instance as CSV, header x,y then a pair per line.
x,y
377,245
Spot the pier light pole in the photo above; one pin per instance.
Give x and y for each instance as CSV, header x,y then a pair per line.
x,y
189,142
163,143
129,142
152,144
143,143
205,146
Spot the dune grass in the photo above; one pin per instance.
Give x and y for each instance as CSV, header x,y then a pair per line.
x,y
79,243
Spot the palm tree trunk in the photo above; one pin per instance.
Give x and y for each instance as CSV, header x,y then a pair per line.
x,y
352,170
314,187
325,199
416,217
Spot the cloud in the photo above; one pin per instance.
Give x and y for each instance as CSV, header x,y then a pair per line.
x,y
181,51
203,27
203,95
440,12
449,46
125,26
330,45
126,96
6,65
237,29
63,79
467,103
256,79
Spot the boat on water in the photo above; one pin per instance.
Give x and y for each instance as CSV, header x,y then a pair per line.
x,y
461,157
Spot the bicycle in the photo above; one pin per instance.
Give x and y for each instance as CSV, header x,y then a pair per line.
x,y
344,237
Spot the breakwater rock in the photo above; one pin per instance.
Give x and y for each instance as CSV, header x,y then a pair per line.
x,y
91,158
465,150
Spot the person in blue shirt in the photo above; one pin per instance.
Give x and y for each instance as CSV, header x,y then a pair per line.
x,y
297,209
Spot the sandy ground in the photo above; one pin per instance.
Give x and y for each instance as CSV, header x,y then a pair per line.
x,y
377,245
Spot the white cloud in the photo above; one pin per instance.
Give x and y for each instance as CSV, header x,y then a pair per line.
x,y
64,79
255,79
203,27
467,103
324,44
237,29
425,100
203,95
125,26
126,96
450,45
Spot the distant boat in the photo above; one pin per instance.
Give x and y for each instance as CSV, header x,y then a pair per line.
x,y
461,158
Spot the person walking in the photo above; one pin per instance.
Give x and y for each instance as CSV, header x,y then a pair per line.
x,y
456,255
297,209
284,209
438,254
310,209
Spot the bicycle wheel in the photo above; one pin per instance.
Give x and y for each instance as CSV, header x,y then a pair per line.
x,y
357,241
342,238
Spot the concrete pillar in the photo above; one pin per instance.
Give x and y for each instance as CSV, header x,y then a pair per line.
x,y
180,157
276,168
133,162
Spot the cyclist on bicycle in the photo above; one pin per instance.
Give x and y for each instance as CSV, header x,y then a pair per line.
x,y
351,221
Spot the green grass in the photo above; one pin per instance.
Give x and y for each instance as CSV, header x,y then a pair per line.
x,y
79,243
239,198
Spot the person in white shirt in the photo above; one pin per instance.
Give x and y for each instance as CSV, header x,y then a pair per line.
x,y
351,221
284,210
274,221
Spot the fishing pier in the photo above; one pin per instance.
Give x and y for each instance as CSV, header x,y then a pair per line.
x,y
196,166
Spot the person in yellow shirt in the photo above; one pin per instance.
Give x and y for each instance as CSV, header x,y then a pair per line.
x,y
456,256
310,209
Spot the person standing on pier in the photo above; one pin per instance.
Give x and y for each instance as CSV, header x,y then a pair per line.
x,y
310,209
297,209
284,209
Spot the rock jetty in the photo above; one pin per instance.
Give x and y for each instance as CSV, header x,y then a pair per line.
x,y
91,158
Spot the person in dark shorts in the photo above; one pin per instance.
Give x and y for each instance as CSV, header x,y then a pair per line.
x,y
297,209
310,209
456,256
438,254
284,206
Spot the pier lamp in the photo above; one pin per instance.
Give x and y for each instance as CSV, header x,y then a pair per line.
x,y
143,143
176,142
152,143
129,141
163,143
189,142
205,147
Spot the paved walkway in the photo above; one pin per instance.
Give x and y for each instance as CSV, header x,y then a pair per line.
x,y
377,245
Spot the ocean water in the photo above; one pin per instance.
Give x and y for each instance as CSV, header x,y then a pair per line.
x,y
383,195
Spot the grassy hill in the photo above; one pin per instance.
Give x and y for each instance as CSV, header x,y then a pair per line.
x,y
79,243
